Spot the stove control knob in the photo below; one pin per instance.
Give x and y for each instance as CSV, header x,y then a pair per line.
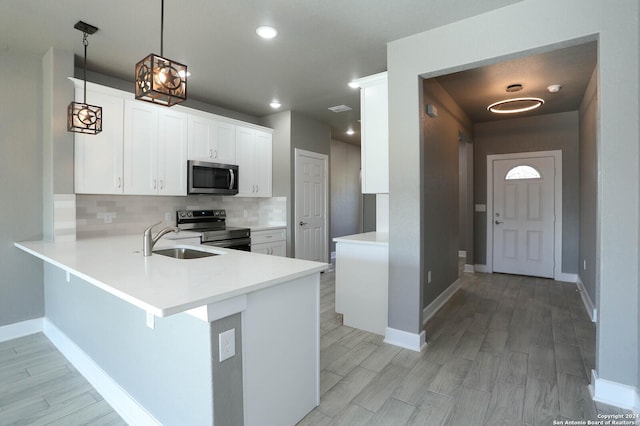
x,y
183,214
216,213
190,214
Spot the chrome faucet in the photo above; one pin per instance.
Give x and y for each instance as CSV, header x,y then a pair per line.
x,y
148,240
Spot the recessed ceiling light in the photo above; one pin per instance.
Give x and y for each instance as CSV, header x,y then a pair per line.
x,y
275,104
266,31
353,84
554,88
350,132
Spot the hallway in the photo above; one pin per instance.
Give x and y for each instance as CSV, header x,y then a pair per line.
x,y
503,350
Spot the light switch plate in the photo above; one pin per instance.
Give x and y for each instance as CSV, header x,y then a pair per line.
x,y
227,344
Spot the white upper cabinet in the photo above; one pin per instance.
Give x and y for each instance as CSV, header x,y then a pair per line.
x,y
374,116
172,152
211,140
155,150
98,158
253,153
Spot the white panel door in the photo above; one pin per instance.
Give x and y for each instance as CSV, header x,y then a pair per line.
x,y
311,208
524,216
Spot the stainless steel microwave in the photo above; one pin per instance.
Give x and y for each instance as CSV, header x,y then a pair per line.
x,y
212,178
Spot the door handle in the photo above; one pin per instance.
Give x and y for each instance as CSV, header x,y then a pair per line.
x,y
497,222
302,223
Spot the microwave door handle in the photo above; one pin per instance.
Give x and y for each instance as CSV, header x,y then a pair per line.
x,y
233,179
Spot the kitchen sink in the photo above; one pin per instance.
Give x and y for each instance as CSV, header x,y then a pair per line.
x,y
184,253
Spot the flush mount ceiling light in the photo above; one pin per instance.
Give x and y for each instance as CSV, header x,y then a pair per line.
x,y
266,31
82,117
160,80
350,131
554,88
353,84
515,105
275,104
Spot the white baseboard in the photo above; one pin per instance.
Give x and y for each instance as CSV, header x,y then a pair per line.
x,y
462,253
469,268
613,393
414,342
439,301
482,268
20,329
123,403
586,299
564,277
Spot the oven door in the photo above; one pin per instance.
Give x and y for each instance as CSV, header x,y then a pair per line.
x,y
243,244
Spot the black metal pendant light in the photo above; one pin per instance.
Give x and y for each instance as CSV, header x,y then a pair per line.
x,y
82,117
160,80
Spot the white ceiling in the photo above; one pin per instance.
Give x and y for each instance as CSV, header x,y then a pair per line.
x,y
322,45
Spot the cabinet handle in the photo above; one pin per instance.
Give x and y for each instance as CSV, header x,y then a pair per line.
x,y
215,153
161,183
154,184
119,184
210,153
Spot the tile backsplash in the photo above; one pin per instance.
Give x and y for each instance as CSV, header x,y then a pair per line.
x,y
103,215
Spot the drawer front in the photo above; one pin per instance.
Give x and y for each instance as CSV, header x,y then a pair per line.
x,y
275,248
259,237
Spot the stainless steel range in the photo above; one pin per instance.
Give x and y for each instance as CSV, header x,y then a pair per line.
x,y
213,229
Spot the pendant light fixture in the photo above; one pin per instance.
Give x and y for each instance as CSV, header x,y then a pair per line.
x,y
160,80
82,117
515,105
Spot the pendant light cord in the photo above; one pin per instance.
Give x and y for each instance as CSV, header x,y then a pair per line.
x,y
86,43
162,29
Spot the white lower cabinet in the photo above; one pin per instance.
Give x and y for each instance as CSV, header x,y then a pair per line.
x,y
269,241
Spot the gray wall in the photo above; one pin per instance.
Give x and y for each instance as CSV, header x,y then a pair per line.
x,y
294,130
21,290
440,160
346,195
540,133
168,370
589,187
481,40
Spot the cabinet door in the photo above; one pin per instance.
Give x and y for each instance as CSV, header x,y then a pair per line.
x,y
245,156
140,148
201,138
225,150
375,137
263,165
98,158
172,152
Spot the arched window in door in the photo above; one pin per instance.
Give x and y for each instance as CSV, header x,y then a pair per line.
x,y
523,172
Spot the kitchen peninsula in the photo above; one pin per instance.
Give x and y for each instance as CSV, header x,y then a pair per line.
x,y
149,332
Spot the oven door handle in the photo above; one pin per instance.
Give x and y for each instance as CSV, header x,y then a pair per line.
x,y
232,176
229,243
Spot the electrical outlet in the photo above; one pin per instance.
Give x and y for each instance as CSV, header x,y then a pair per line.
x,y
151,321
108,217
227,344
429,277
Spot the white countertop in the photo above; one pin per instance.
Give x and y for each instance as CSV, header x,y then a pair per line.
x,y
162,285
368,238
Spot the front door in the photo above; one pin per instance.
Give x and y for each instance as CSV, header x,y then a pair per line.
x,y
311,206
524,216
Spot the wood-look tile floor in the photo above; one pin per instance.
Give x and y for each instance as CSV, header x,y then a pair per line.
x,y
504,350
39,386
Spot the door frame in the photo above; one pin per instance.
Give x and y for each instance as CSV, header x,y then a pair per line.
x,y
557,246
325,158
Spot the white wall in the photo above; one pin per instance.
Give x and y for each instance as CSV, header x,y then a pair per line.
x,y
505,33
